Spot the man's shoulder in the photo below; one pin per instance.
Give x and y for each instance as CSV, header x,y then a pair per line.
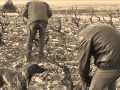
x,y
37,2
89,31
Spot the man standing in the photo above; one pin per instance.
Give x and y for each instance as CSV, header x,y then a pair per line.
x,y
101,41
37,13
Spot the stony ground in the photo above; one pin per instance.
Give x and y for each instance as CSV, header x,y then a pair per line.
x,y
59,47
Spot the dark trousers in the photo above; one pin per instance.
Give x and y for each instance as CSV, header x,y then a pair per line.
x,y
105,79
32,31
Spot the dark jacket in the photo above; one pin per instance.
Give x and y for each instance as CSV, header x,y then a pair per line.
x,y
101,41
37,10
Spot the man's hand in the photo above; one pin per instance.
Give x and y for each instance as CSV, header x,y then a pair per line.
x,y
84,86
86,82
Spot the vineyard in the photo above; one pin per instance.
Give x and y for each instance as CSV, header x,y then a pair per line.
x,y
62,34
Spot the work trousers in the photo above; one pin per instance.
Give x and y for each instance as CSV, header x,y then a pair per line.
x,y
105,79
39,26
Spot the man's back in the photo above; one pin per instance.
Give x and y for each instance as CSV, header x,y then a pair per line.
x,y
105,44
38,10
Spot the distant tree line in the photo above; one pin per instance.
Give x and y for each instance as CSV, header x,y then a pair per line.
x,y
9,7
70,11
84,11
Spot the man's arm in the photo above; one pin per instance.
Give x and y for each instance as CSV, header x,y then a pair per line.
x,y
49,12
25,11
84,59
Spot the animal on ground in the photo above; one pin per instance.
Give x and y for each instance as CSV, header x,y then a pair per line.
x,y
19,80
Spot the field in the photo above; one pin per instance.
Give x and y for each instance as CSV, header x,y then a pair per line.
x,y
62,32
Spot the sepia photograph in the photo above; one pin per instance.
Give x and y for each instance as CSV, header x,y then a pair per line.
x,y
59,44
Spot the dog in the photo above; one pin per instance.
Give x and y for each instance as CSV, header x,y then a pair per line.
x,y
19,80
